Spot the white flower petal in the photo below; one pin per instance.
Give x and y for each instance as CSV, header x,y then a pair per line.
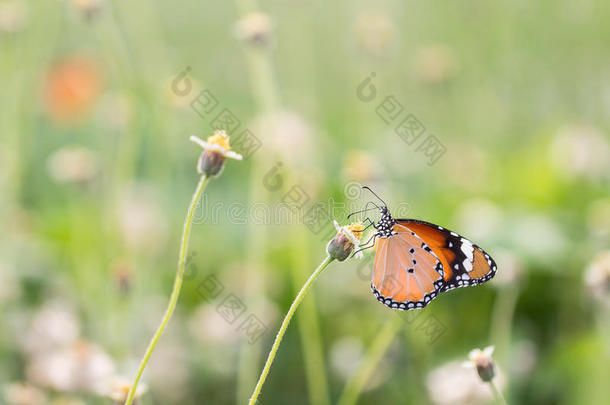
x,y
199,141
474,354
232,155
337,227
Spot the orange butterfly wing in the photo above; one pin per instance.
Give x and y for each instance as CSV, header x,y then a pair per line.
x,y
464,263
407,273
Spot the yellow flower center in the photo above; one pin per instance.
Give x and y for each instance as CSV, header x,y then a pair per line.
x,y
356,229
221,139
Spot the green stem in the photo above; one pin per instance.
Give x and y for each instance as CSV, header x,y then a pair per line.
x,y
380,345
203,181
282,331
501,323
308,323
497,393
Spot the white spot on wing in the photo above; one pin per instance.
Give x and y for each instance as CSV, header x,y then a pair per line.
x,y
468,251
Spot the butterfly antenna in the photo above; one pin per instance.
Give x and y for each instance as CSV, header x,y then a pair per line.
x,y
375,194
366,209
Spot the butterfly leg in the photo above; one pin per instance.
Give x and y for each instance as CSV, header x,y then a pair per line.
x,y
367,245
371,223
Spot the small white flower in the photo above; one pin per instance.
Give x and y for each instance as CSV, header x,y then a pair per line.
x,y
216,145
482,361
215,150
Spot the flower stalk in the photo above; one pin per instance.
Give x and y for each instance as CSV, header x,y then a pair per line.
x,y
500,400
483,363
211,162
203,181
285,323
338,248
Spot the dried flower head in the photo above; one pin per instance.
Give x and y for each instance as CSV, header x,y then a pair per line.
x,y
347,238
482,361
215,150
254,28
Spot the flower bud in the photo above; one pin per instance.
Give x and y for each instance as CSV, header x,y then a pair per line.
x,y
342,245
215,151
482,361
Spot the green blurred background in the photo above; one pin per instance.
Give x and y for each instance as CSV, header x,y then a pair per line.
x,y
96,172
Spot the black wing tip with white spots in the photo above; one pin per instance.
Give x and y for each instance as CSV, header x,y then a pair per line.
x,y
470,282
455,240
407,305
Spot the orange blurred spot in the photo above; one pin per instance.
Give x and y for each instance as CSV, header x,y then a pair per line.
x,y
71,87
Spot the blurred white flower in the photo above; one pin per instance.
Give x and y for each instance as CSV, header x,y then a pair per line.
x,y
452,384
374,31
23,394
117,389
581,151
54,325
83,366
13,16
435,63
479,219
254,28
288,135
597,277
346,355
73,164
142,221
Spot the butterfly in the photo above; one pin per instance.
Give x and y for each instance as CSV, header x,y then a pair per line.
x,y
416,260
